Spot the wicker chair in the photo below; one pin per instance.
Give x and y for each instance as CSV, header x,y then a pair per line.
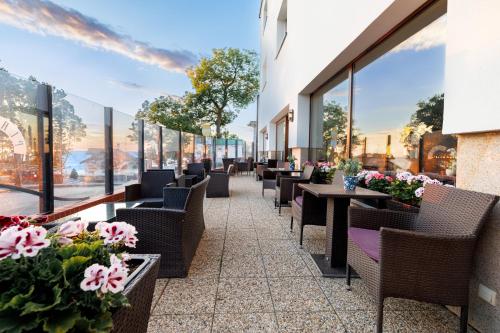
x,y
150,189
307,210
426,256
218,187
260,171
173,231
195,169
272,163
284,186
226,162
268,180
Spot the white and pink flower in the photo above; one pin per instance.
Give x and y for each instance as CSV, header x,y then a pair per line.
x,y
9,240
94,277
123,261
419,192
71,229
432,181
16,242
403,176
116,232
115,279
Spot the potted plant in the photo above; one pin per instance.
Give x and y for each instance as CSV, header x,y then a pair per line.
x,y
207,164
323,172
291,159
351,168
73,279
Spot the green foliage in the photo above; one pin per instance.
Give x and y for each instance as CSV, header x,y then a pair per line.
x,y
223,84
170,112
226,135
403,191
43,294
350,167
379,185
430,112
73,174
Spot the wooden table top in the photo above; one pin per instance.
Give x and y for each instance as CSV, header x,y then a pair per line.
x,y
337,191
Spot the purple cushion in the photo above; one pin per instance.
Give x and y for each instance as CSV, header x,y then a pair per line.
x,y
367,240
299,200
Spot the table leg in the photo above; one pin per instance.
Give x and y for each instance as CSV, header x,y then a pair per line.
x,y
333,263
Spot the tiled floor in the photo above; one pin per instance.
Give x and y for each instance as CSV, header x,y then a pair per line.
x,y
249,275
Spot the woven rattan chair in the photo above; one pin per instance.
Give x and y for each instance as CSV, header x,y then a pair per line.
x,y
150,189
307,210
195,169
218,187
173,231
260,171
284,186
268,180
426,256
226,162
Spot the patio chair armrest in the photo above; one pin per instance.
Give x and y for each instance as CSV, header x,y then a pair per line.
x,y
374,219
416,263
132,192
214,171
296,191
175,197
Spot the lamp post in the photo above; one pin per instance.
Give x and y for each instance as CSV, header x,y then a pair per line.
x,y
206,130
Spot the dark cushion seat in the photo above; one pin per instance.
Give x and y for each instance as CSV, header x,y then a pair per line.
x,y
299,200
367,240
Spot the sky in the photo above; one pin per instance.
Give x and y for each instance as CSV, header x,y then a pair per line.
x,y
119,53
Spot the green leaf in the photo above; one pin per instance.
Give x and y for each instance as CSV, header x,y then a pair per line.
x,y
74,266
15,324
61,322
32,307
18,301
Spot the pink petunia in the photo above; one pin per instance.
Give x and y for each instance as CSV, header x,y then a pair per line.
x,y
94,277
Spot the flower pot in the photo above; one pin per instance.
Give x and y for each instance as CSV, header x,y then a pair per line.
x,y
350,183
292,166
402,207
139,292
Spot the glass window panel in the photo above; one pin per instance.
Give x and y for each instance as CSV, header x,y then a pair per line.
x,y
170,149
19,151
241,149
398,100
187,149
220,152
231,148
199,148
125,149
280,140
329,120
151,143
210,148
78,148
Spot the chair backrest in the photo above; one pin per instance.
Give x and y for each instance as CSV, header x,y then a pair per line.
x,y
451,211
272,163
153,182
230,169
197,169
196,196
250,163
226,162
308,171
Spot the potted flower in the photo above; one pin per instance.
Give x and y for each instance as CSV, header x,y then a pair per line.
x,y
73,279
378,182
351,168
323,172
291,159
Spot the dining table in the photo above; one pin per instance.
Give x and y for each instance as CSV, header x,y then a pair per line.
x,y
333,262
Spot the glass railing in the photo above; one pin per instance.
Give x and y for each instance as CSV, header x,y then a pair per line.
x,y
95,150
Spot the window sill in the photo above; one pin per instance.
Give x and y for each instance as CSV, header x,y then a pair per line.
x,y
281,45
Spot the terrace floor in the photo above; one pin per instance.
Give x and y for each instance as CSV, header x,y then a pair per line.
x,y
249,275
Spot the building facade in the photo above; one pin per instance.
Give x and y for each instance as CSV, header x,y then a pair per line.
x,y
400,85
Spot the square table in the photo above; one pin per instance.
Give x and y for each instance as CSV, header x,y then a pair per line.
x,y
333,262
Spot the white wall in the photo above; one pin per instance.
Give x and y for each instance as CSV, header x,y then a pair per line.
x,y
472,87
318,32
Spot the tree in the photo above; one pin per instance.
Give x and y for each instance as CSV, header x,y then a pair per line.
x,y
430,112
223,84
170,112
335,121
227,135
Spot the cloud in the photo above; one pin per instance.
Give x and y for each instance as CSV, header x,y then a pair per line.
x,y
47,18
133,86
431,36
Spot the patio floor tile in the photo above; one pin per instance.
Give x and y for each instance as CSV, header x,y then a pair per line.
x,y
180,323
313,322
242,266
247,322
298,294
243,295
286,264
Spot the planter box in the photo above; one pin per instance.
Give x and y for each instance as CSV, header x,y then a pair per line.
x,y
402,207
139,292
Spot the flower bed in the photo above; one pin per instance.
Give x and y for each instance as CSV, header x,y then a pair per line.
x,y
70,280
406,189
